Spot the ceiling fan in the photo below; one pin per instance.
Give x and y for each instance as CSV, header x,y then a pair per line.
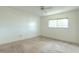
x,y
45,7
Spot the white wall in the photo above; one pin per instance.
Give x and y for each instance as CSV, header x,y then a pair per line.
x,y
14,25
70,34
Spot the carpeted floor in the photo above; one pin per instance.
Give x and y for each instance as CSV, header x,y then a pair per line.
x,y
39,45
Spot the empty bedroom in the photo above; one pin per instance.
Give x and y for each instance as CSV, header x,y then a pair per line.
x,y
39,29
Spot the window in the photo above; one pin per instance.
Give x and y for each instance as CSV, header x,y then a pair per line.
x,y
60,23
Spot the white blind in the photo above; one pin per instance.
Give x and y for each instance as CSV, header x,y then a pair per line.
x,y
60,23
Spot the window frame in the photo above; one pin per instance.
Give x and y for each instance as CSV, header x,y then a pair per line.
x,y
59,19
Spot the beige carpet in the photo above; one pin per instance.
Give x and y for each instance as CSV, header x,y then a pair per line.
x,y
39,45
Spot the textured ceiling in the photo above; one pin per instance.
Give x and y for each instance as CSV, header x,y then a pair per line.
x,y
59,9
49,10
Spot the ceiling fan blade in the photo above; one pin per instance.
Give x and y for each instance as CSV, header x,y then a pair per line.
x,y
48,7
45,7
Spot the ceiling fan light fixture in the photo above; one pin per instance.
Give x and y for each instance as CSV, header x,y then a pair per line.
x,y
42,7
